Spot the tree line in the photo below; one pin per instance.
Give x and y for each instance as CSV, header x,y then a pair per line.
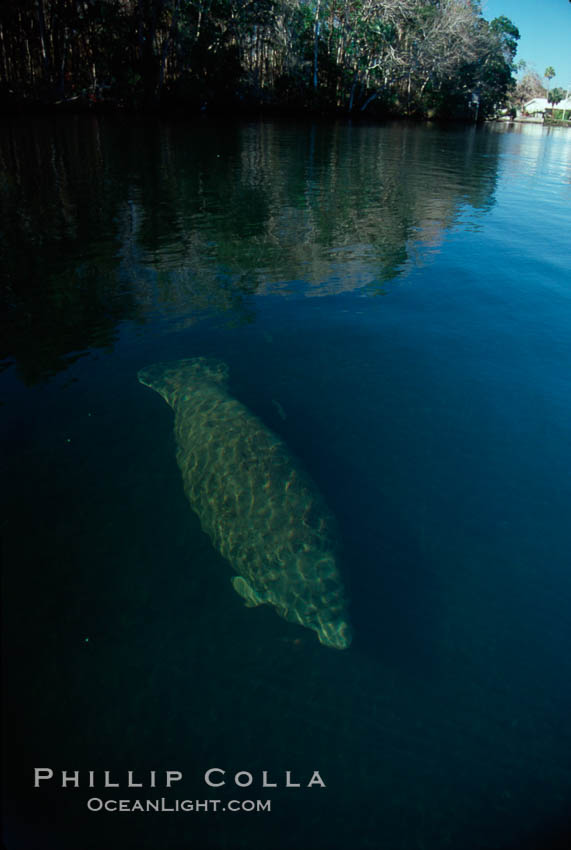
x,y
427,58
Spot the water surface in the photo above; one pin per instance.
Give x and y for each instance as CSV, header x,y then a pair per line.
x,y
394,303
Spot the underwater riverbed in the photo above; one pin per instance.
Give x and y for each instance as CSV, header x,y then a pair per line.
x,y
393,302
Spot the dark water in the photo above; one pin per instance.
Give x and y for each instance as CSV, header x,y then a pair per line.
x,y
395,303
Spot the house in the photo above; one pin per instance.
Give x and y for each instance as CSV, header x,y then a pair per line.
x,y
537,106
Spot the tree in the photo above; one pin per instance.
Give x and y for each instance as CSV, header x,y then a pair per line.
x,y
508,34
555,95
483,80
549,74
497,82
527,88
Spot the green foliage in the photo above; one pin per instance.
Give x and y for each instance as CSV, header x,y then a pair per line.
x,y
555,95
508,34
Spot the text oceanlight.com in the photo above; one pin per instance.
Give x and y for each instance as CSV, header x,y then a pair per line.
x,y
96,804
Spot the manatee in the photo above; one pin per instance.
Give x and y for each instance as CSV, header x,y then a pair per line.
x,y
258,506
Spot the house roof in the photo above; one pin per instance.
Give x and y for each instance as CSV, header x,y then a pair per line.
x,y
537,103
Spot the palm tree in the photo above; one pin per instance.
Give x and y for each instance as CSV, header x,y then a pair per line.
x,y
549,74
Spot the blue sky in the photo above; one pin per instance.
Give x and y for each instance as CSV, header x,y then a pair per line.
x,y
545,33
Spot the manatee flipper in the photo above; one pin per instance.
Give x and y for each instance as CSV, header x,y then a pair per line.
x,y
247,592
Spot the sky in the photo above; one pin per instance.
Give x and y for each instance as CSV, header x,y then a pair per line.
x,y
545,33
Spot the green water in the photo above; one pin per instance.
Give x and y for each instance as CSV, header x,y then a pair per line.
x,y
393,304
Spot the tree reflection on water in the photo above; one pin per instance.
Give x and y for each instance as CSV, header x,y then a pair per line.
x,y
107,221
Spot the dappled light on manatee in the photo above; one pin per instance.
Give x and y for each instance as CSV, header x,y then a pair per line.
x,y
260,509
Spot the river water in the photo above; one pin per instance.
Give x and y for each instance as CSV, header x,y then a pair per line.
x,y
394,303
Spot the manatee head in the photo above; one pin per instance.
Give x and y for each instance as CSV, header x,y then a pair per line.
x,y
163,378
175,378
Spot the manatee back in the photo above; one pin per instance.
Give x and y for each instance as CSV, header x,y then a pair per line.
x,y
254,500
